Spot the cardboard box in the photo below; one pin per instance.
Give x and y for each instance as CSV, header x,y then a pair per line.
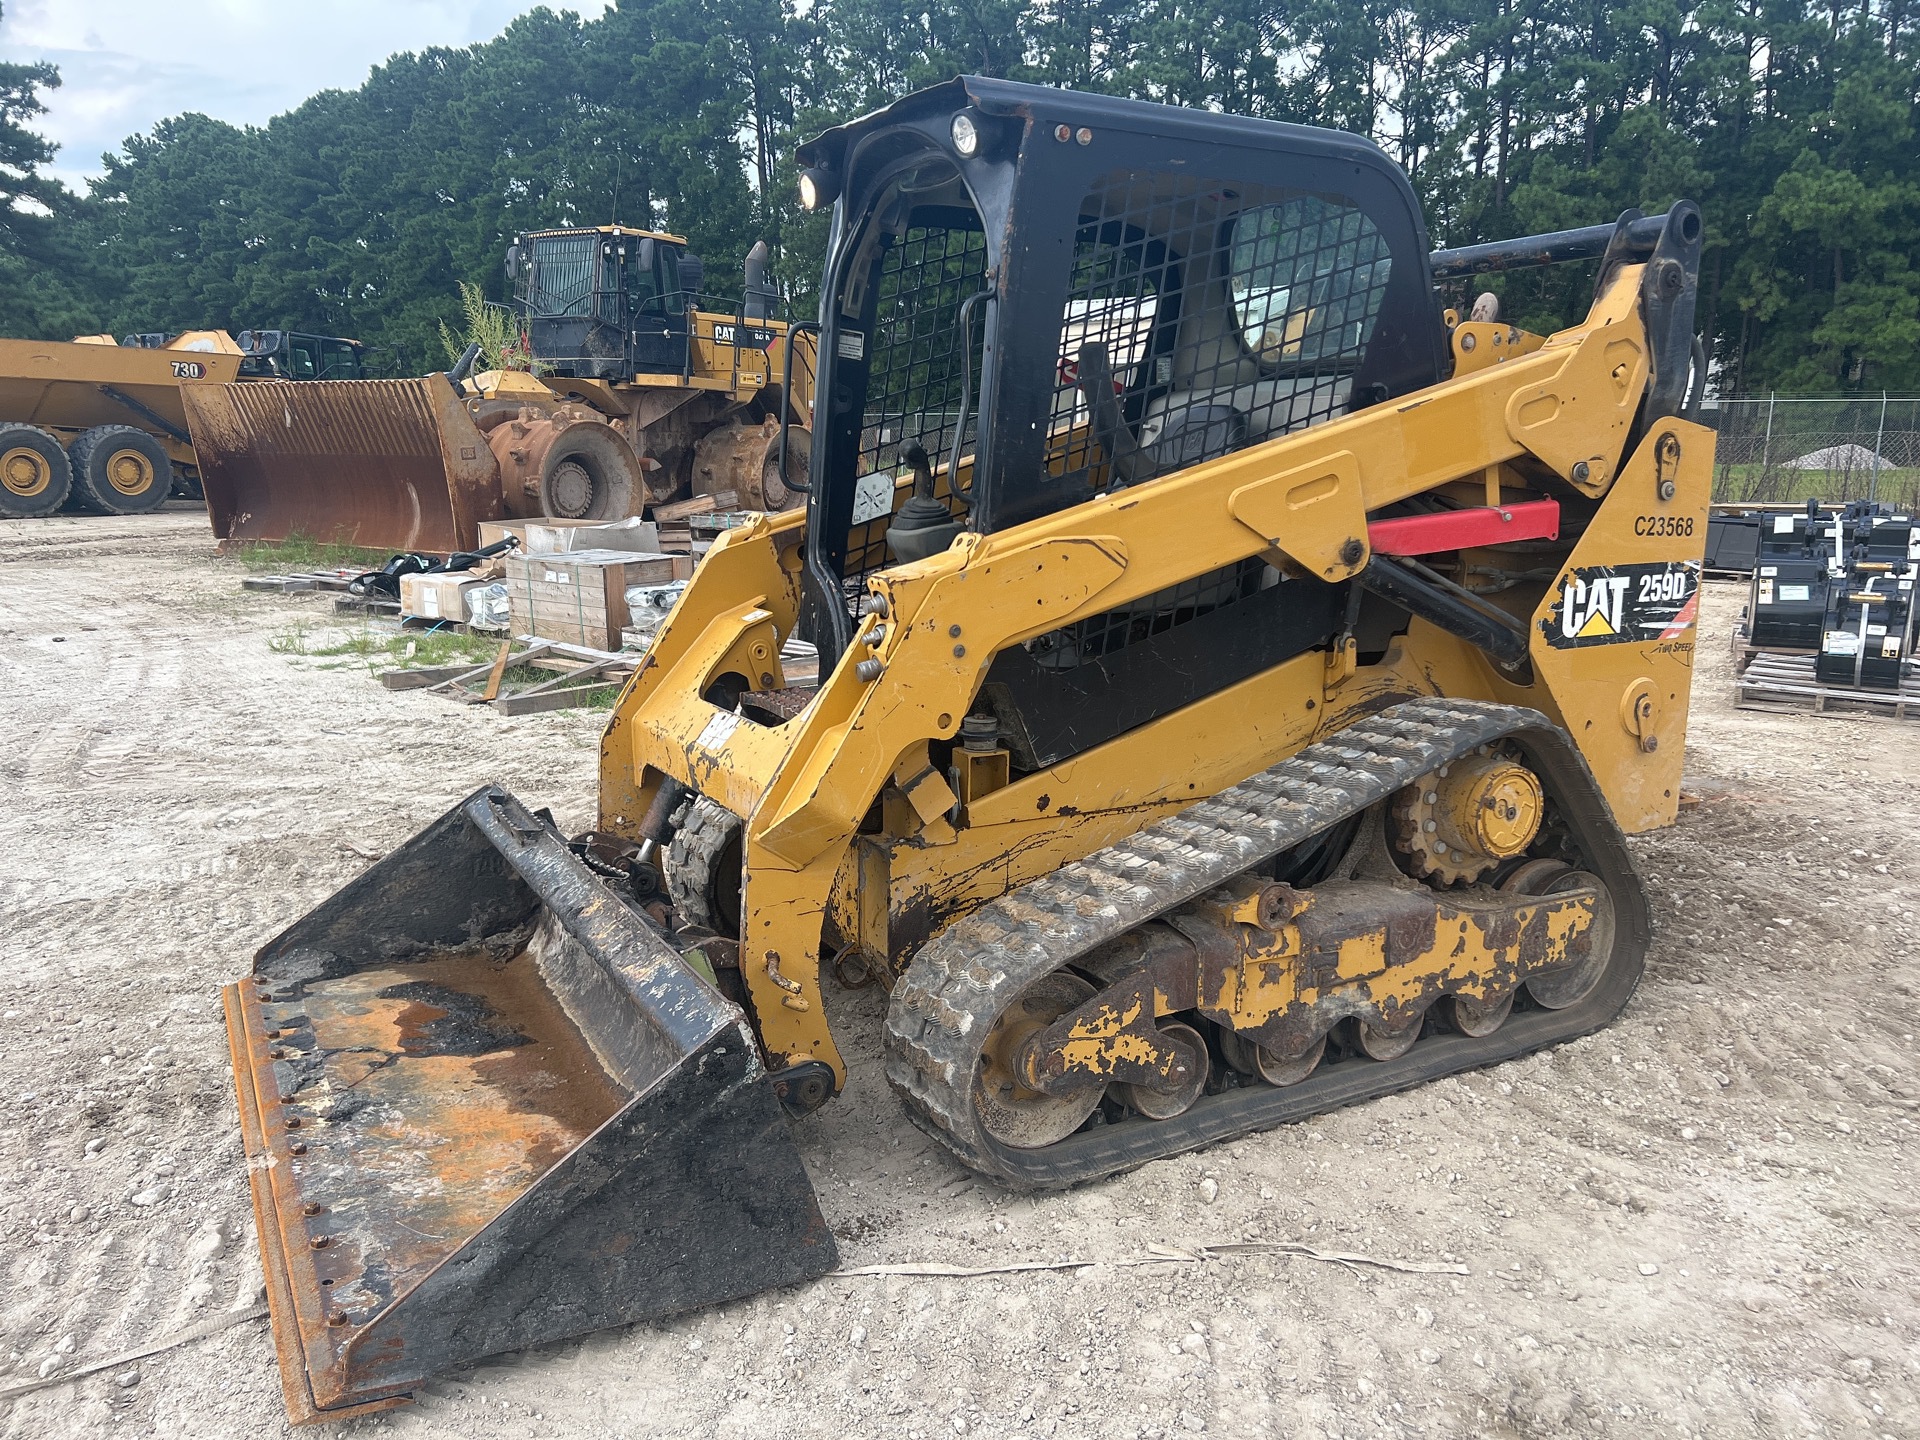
x,y
549,536
580,596
437,597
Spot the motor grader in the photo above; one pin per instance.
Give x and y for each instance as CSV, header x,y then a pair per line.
x,y
1237,678
630,391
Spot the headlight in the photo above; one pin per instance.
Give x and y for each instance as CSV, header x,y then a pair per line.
x,y
966,135
818,187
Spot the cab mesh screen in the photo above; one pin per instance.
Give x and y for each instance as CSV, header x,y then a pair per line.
x,y
1228,315
564,267
921,359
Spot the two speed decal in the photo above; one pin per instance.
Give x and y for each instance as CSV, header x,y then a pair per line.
x,y
1616,604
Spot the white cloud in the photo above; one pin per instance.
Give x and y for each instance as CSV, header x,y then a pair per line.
x,y
127,64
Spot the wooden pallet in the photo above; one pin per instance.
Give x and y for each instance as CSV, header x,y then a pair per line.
x,y
365,605
427,624
301,582
1770,680
578,673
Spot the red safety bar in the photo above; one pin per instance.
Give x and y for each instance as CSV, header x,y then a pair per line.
x,y
1461,529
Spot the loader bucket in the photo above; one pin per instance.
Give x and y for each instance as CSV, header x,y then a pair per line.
x,y
487,1105
387,464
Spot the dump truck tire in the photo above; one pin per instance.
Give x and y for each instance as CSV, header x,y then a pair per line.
x,y
119,470
35,474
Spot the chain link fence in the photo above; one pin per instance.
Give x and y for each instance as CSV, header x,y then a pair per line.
x,y
1792,448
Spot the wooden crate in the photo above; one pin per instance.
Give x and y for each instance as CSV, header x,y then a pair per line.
x,y
579,596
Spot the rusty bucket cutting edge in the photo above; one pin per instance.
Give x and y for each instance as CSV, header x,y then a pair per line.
x,y
486,1106
387,464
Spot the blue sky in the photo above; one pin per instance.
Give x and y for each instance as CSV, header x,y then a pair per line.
x,y
126,64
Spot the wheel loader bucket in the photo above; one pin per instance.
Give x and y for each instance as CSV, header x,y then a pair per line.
x,y
487,1105
387,464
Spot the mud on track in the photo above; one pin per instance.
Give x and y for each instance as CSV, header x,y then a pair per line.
x,y
1702,1221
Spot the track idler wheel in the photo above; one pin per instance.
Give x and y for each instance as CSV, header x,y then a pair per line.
x,y
1379,1043
1008,1110
1569,984
1477,1017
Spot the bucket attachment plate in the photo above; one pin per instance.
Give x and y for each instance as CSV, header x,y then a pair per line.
x,y
388,464
487,1105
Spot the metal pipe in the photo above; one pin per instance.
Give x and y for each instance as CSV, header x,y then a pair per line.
x,y
1559,247
1873,485
966,387
1459,592
794,331
463,367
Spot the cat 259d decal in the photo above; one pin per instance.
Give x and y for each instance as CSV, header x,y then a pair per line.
x,y
1617,604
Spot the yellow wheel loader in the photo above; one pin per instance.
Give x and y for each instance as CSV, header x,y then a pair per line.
x,y
637,394
1237,677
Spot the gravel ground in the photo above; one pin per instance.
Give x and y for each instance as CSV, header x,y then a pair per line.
x,y
1699,1222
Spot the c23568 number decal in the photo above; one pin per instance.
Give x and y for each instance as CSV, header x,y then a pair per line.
x,y
1619,604
189,370
1662,525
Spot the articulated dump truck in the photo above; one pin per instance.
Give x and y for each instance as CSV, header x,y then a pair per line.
x,y
643,394
99,423
1238,676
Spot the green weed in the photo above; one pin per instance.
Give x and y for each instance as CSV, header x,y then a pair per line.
x,y
375,650
292,640
299,553
1778,485
441,647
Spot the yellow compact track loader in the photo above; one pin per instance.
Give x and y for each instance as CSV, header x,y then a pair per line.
x,y
642,394
1237,676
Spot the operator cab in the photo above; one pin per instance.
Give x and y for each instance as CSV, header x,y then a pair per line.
x,y
1034,297
294,355
606,303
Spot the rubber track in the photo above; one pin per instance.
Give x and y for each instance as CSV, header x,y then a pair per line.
x,y
965,977
691,856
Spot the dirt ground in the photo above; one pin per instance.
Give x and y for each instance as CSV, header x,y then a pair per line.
x,y
1699,1222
